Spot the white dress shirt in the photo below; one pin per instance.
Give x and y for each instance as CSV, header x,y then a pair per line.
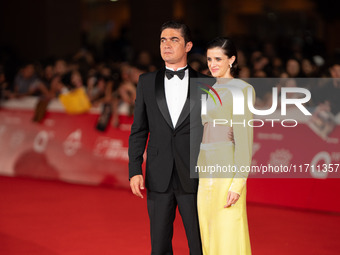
x,y
176,91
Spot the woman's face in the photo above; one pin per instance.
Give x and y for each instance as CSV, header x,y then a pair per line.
x,y
76,79
307,67
49,72
293,67
60,67
219,63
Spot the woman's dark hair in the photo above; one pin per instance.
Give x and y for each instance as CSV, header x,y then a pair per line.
x,y
229,49
185,30
66,79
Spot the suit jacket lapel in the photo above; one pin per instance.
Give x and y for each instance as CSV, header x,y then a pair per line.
x,y
160,96
190,101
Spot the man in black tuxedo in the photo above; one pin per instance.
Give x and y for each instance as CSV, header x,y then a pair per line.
x,y
164,111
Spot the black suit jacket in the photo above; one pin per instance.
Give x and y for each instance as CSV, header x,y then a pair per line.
x,y
167,145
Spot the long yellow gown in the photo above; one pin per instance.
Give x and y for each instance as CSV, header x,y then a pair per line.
x,y
224,231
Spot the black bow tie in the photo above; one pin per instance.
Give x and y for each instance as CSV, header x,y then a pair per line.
x,y
169,73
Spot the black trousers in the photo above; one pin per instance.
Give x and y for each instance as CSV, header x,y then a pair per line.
x,y
162,212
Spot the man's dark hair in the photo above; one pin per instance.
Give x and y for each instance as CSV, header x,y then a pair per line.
x,y
185,30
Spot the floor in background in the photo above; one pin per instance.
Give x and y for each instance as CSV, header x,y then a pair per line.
x,y
55,218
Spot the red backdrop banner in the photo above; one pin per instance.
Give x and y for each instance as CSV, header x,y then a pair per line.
x,y
69,148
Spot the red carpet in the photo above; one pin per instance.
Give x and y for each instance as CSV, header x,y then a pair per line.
x,y
54,218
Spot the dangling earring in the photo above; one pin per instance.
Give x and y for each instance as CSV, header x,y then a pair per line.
x,y
231,65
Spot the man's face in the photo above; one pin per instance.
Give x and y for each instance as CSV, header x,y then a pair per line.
x,y
173,47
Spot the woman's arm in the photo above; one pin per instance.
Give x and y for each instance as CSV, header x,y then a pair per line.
x,y
243,135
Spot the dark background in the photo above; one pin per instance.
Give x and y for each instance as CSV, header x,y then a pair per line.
x,y
36,30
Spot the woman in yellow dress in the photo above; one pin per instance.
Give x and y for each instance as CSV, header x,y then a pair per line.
x,y
222,164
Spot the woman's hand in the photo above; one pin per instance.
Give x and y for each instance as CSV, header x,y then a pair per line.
x,y
232,198
231,135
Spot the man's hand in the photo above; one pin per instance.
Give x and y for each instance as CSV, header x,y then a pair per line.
x,y
232,198
136,184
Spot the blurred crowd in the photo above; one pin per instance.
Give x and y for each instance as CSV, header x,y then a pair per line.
x,y
79,83
84,79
